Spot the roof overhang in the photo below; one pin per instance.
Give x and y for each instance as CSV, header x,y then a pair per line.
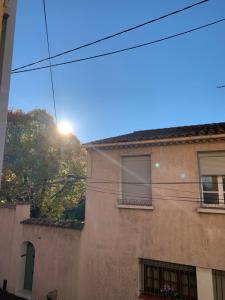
x,y
157,142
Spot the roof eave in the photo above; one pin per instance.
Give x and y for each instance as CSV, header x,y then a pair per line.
x,y
165,141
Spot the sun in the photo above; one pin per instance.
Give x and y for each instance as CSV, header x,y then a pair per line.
x,y
64,128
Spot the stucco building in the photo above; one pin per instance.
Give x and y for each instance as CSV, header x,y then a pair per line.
x,y
154,227
7,26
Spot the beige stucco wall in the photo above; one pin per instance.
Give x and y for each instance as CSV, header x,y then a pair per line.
x,y
11,236
56,260
7,216
56,254
113,239
101,261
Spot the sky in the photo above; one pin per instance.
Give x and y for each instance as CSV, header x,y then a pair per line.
x,y
172,83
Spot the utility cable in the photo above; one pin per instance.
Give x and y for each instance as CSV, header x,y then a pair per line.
x,y
49,59
132,196
112,35
195,200
124,49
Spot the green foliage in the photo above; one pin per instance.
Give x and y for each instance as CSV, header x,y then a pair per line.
x,y
37,156
77,212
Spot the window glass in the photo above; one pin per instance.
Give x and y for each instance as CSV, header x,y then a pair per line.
x,y
211,198
210,183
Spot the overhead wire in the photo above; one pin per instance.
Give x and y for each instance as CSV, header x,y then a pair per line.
x,y
49,59
122,50
112,35
111,181
149,183
169,198
130,195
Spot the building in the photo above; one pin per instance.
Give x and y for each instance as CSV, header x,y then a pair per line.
x,y
155,220
7,26
140,238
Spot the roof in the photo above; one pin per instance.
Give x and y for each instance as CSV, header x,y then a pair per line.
x,y
69,224
165,133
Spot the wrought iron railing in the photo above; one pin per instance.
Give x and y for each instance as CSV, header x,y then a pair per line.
x,y
168,280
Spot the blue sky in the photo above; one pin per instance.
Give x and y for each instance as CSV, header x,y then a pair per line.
x,y
169,84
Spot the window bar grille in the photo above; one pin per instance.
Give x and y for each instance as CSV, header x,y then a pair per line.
x,y
162,278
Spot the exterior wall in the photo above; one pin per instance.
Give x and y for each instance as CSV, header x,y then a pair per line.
x,y
7,216
56,255
101,262
56,260
5,67
11,234
113,239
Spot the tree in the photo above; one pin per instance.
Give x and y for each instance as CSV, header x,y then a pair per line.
x,y
41,165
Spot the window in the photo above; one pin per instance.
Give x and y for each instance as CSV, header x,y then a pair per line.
x,y
212,172
168,280
136,189
219,284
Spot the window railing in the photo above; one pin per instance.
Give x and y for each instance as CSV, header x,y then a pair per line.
x,y
169,280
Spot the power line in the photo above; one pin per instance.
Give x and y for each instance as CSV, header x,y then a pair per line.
x,y
124,49
128,195
151,183
49,59
163,188
195,200
112,35
71,178
131,195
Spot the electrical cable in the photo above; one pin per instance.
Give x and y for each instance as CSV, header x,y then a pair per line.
x,y
132,196
122,50
149,198
49,59
112,35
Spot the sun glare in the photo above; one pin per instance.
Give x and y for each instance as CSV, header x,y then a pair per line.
x,y
64,127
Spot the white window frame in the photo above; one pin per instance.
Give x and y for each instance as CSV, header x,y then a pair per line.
x,y
220,192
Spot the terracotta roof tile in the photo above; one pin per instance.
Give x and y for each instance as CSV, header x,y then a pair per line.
x,y
71,224
166,133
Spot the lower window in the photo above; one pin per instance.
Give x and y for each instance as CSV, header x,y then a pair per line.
x,y
219,284
169,280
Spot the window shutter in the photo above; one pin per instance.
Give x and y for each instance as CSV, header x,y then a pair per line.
x,y
212,163
136,187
